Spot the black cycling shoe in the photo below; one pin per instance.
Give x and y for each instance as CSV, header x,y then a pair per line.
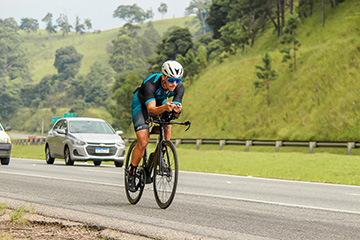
x,y
131,183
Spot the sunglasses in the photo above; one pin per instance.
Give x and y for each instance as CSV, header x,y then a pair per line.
x,y
172,80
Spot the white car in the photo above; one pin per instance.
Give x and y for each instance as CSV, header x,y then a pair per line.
x,y
84,139
5,146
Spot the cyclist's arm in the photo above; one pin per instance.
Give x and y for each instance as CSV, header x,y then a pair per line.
x,y
179,93
153,109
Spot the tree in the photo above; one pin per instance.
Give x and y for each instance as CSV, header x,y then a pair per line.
x,y
305,8
201,9
163,9
10,101
13,60
67,61
29,25
233,37
122,55
130,51
123,94
265,76
88,24
246,17
11,23
79,27
217,18
289,39
132,13
50,28
177,42
63,23
96,84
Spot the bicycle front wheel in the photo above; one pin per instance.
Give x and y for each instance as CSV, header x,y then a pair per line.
x,y
134,197
166,175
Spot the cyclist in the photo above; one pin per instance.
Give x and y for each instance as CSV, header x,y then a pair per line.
x,y
152,97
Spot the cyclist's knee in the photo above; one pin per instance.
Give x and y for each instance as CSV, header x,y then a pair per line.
x,y
143,142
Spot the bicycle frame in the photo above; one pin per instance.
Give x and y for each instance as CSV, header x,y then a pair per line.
x,y
149,165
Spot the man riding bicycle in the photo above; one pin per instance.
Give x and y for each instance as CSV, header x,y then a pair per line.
x,y
152,97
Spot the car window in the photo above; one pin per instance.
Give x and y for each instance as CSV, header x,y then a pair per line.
x,y
64,125
96,127
1,129
57,125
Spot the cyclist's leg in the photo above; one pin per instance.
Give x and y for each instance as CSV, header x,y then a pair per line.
x,y
139,116
138,152
167,130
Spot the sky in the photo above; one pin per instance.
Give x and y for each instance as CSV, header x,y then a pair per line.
x,y
98,11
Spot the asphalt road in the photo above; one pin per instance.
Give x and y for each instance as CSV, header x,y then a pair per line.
x,y
206,205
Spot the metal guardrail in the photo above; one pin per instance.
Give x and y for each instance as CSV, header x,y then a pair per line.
x,y
268,143
247,143
29,141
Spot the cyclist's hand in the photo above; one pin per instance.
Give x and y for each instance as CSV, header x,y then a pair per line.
x,y
177,108
169,106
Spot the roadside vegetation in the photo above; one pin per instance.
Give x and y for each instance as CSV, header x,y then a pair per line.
x,y
311,96
290,163
292,74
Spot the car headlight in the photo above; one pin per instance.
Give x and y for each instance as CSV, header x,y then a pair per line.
x,y
5,140
78,142
120,144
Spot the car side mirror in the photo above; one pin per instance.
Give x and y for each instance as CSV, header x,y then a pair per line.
x,y
7,129
60,131
119,132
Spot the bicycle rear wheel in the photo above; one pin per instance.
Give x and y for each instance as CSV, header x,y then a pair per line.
x,y
134,197
166,175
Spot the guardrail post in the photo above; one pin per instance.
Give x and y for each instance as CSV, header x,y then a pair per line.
x,y
350,145
177,142
312,145
248,144
278,144
221,144
198,142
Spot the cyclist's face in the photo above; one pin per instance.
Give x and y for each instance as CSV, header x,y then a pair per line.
x,y
170,86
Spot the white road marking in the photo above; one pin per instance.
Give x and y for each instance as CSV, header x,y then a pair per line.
x,y
196,194
63,179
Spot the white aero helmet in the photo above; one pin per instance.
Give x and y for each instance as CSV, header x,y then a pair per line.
x,y
172,69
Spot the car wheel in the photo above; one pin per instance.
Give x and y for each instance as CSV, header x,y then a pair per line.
x,y
68,160
5,161
118,163
49,159
97,163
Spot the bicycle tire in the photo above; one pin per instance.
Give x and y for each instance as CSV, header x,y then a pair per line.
x,y
165,180
134,197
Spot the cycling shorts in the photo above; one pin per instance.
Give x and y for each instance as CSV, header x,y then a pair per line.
x,y
139,114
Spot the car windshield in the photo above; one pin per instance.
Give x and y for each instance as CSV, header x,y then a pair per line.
x,y
96,127
1,129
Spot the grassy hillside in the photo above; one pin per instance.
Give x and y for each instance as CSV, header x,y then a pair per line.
x,y
320,101
93,46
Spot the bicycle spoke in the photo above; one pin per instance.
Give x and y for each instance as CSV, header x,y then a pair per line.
x,y
166,176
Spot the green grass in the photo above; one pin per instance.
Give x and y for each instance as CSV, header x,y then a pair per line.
x,y
28,151
319,101
262,162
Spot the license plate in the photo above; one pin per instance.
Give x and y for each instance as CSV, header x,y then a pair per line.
x,y
101,150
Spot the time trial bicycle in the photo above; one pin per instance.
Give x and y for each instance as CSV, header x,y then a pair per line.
x,y
160,168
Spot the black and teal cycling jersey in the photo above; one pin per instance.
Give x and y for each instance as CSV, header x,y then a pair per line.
x,y
151,90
